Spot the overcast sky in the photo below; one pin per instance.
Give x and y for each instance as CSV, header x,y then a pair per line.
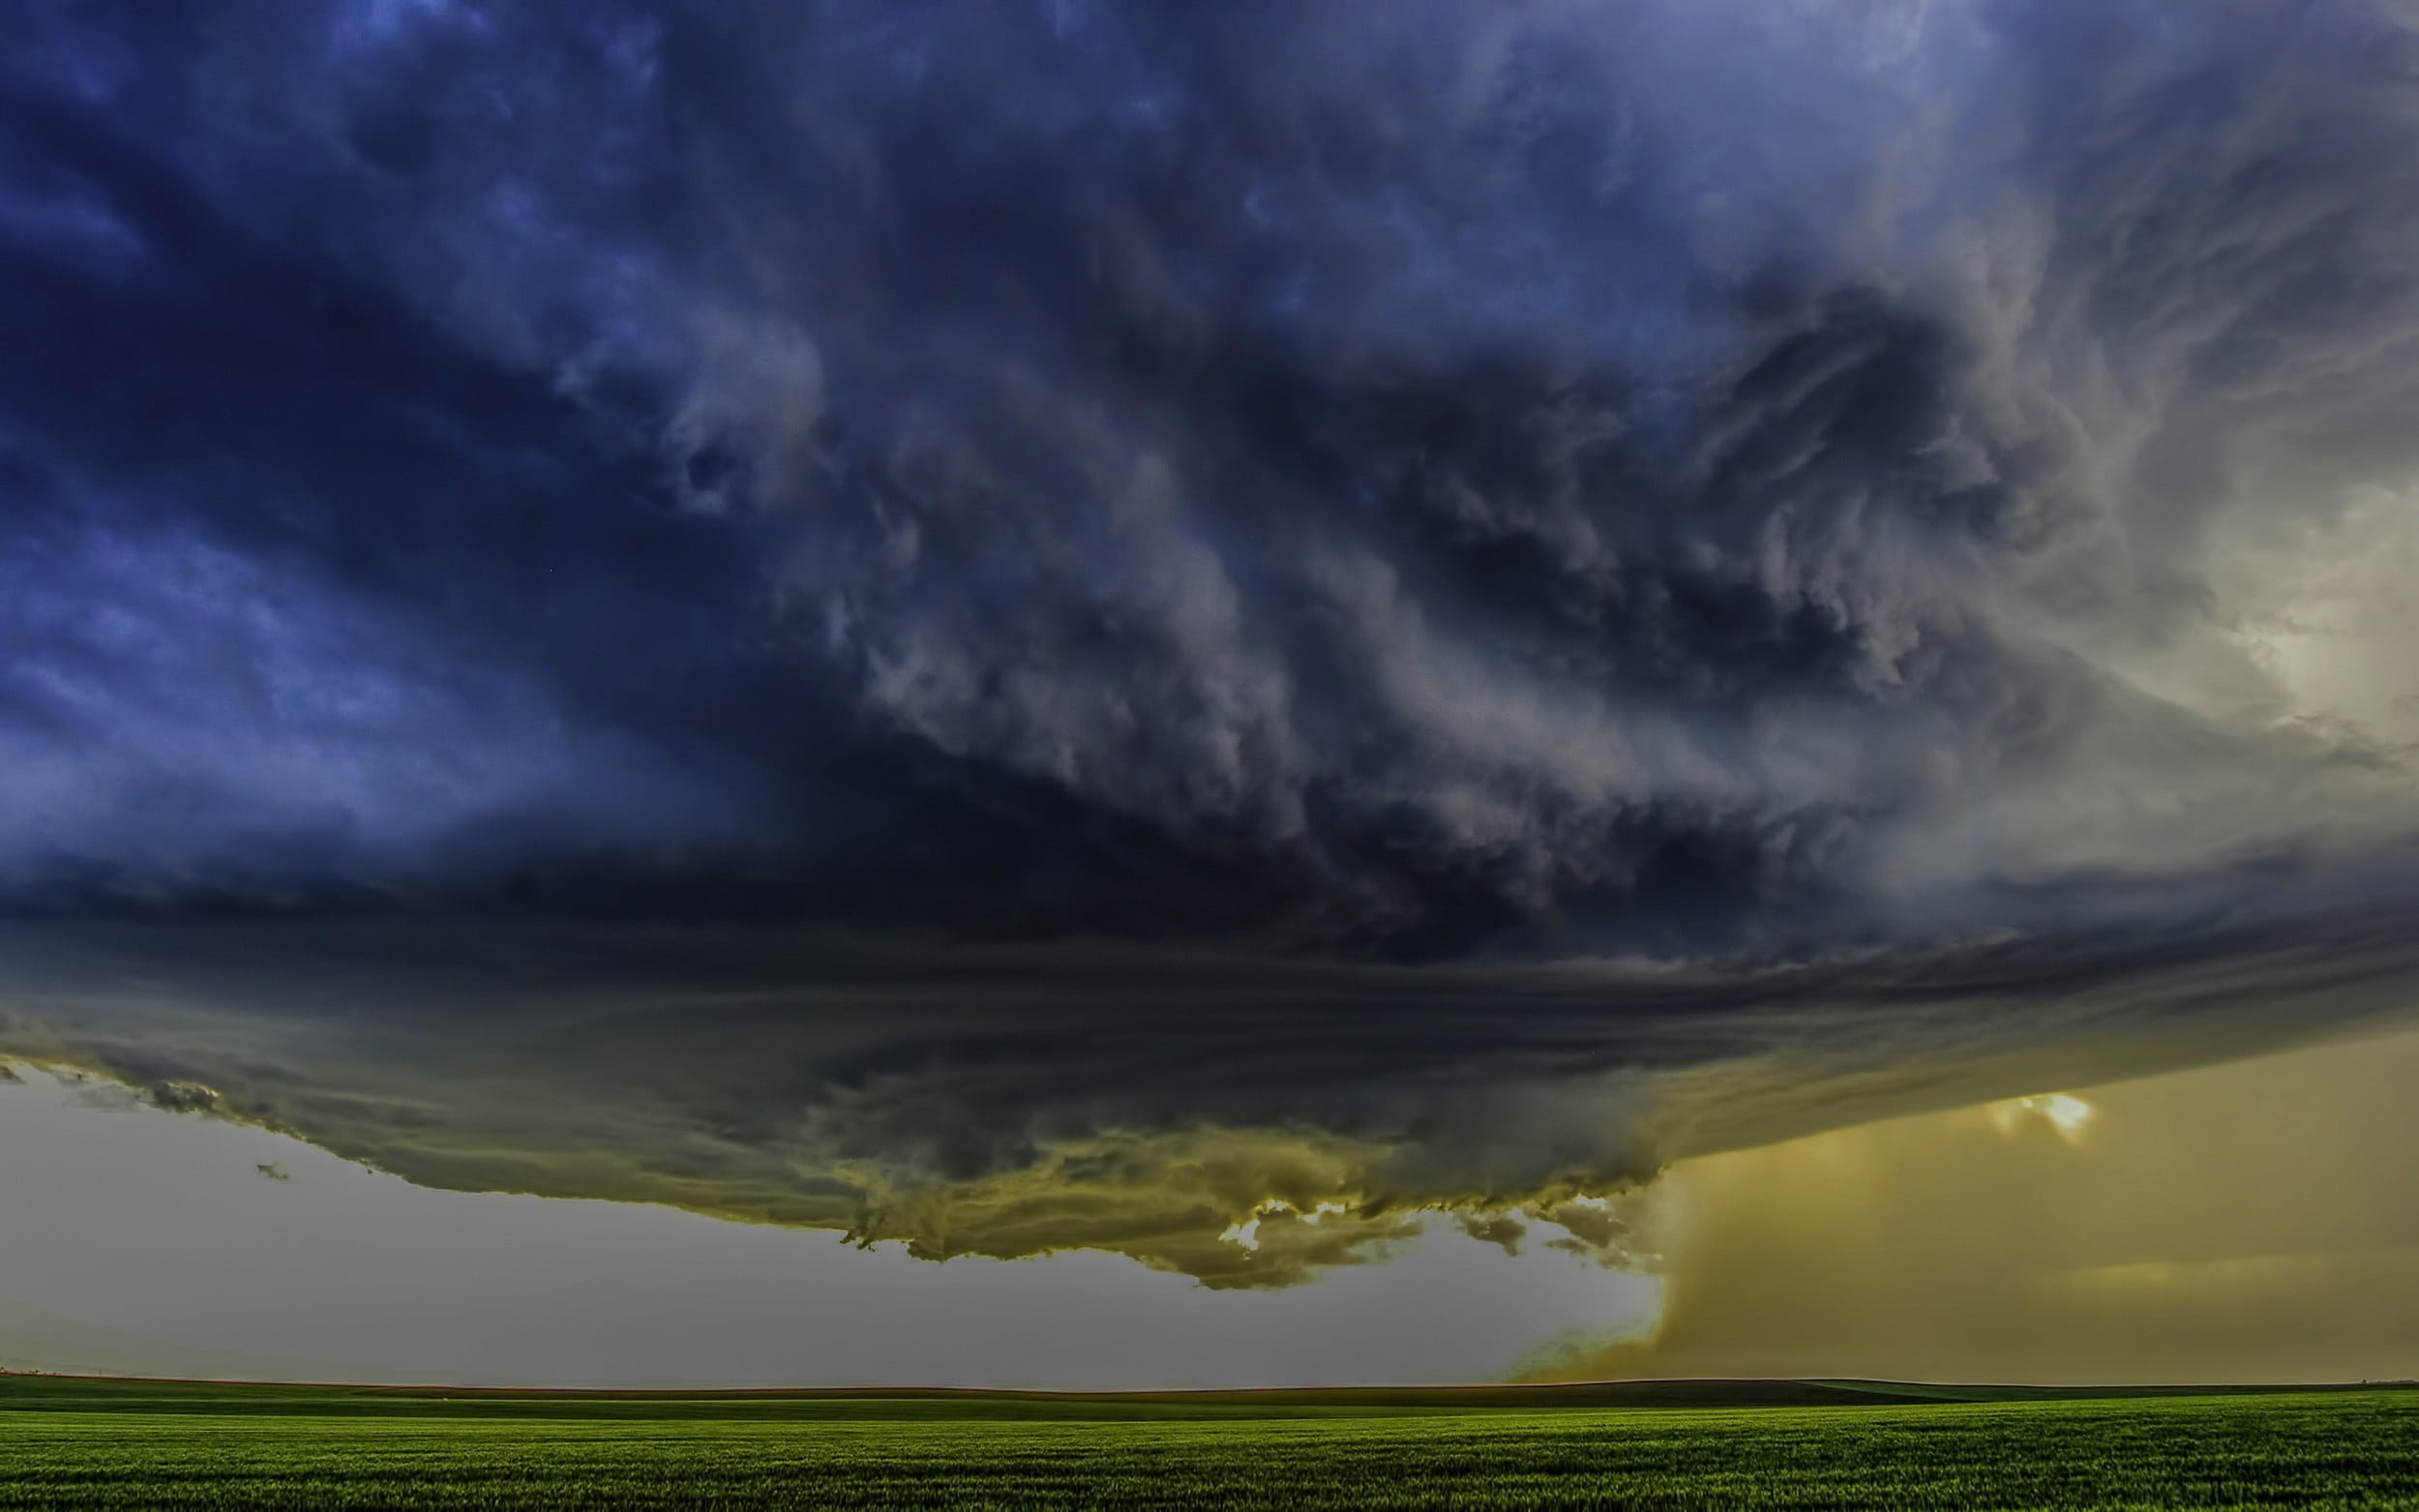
x,y
1219,634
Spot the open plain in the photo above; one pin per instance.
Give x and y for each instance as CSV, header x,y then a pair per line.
x,y
71,1442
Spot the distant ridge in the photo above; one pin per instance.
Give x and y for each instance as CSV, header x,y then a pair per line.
x,y
38,1392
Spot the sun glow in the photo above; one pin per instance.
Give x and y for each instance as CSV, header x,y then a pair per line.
x,y
2065,1112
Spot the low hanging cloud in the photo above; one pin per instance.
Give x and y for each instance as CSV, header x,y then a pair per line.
x,y
1195,631
1244,1120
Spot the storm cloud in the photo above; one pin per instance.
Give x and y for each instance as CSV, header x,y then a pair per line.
x,y
1195,630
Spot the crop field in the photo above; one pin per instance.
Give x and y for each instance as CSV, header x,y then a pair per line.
x,y
105,1446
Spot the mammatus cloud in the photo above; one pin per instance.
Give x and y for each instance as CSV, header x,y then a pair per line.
x,y
1194,631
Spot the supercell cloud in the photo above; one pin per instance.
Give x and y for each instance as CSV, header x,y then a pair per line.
x,y
1195,630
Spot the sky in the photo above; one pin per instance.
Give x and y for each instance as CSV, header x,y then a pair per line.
x,y
2247,1222
2243,1223
143,1241
1271,649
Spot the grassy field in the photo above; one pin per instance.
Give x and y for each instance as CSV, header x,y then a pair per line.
x,y
125,1444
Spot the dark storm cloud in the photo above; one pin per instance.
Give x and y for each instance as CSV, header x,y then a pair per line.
x,y
1013,1099
1037,625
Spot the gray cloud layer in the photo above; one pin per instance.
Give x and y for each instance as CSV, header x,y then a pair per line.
x,y
1011,1100
1047,625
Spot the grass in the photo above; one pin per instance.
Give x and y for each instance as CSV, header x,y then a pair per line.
x,y
124,1445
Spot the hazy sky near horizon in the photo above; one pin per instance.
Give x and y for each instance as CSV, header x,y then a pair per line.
x,y
2236,1223
1227,634
2248,1222
139,1241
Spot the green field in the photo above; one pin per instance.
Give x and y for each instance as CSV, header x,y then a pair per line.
x,y
67,1442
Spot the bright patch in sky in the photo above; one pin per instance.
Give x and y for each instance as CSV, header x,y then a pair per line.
x,y
2066,1114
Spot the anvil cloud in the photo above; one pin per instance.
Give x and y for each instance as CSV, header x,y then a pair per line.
x,y
1195,629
